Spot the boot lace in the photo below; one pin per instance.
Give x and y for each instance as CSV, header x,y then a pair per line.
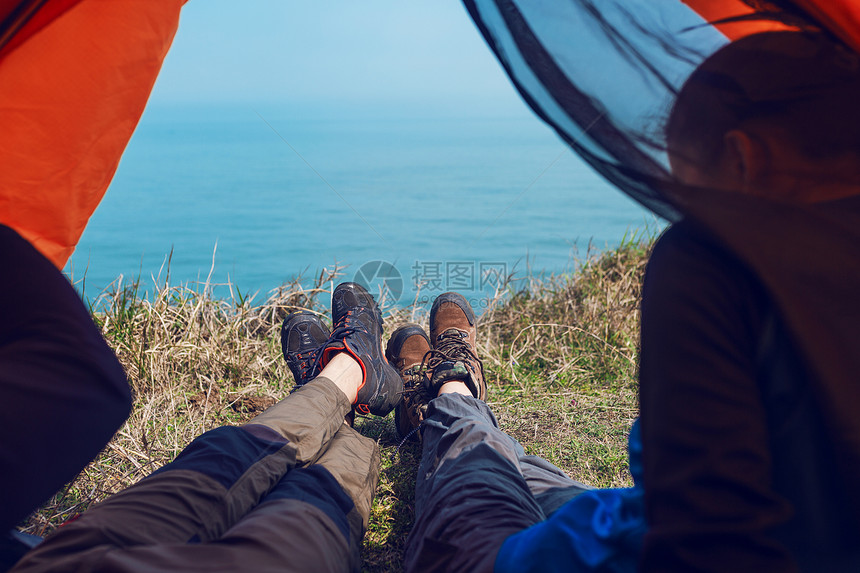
x,y
307,362
451,346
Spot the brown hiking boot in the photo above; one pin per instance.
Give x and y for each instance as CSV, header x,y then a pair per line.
x,y
424,369
405,351
453,335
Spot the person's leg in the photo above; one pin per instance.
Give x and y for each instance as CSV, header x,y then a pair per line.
x,y
225,473
550,486
214,482
312,520
475,487
470,494
467,482
331,500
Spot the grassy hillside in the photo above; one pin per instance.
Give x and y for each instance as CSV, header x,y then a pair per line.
x,y
559,353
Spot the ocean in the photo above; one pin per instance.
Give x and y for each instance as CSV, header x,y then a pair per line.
x,y
259,195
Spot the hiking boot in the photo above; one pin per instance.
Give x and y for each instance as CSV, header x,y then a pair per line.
x,y
453,335
358,332
303,334
405,351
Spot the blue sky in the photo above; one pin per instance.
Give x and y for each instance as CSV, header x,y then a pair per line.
x,y
374,52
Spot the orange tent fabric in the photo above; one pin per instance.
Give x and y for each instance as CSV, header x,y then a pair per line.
x,y
15,15
74,81
719,10
839,17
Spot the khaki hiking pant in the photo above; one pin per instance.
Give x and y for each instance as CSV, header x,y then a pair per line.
x,y
289,491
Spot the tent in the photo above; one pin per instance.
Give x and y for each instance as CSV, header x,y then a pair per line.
x,y
75,76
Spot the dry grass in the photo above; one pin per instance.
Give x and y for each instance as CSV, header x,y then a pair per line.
x,y
560,355
194,362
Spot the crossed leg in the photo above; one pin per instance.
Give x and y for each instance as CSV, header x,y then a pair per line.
x,y
289,491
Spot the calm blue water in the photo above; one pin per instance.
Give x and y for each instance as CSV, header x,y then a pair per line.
x,y
434,197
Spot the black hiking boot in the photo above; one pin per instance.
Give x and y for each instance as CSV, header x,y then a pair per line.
x,y
406,350
358,332
303,334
